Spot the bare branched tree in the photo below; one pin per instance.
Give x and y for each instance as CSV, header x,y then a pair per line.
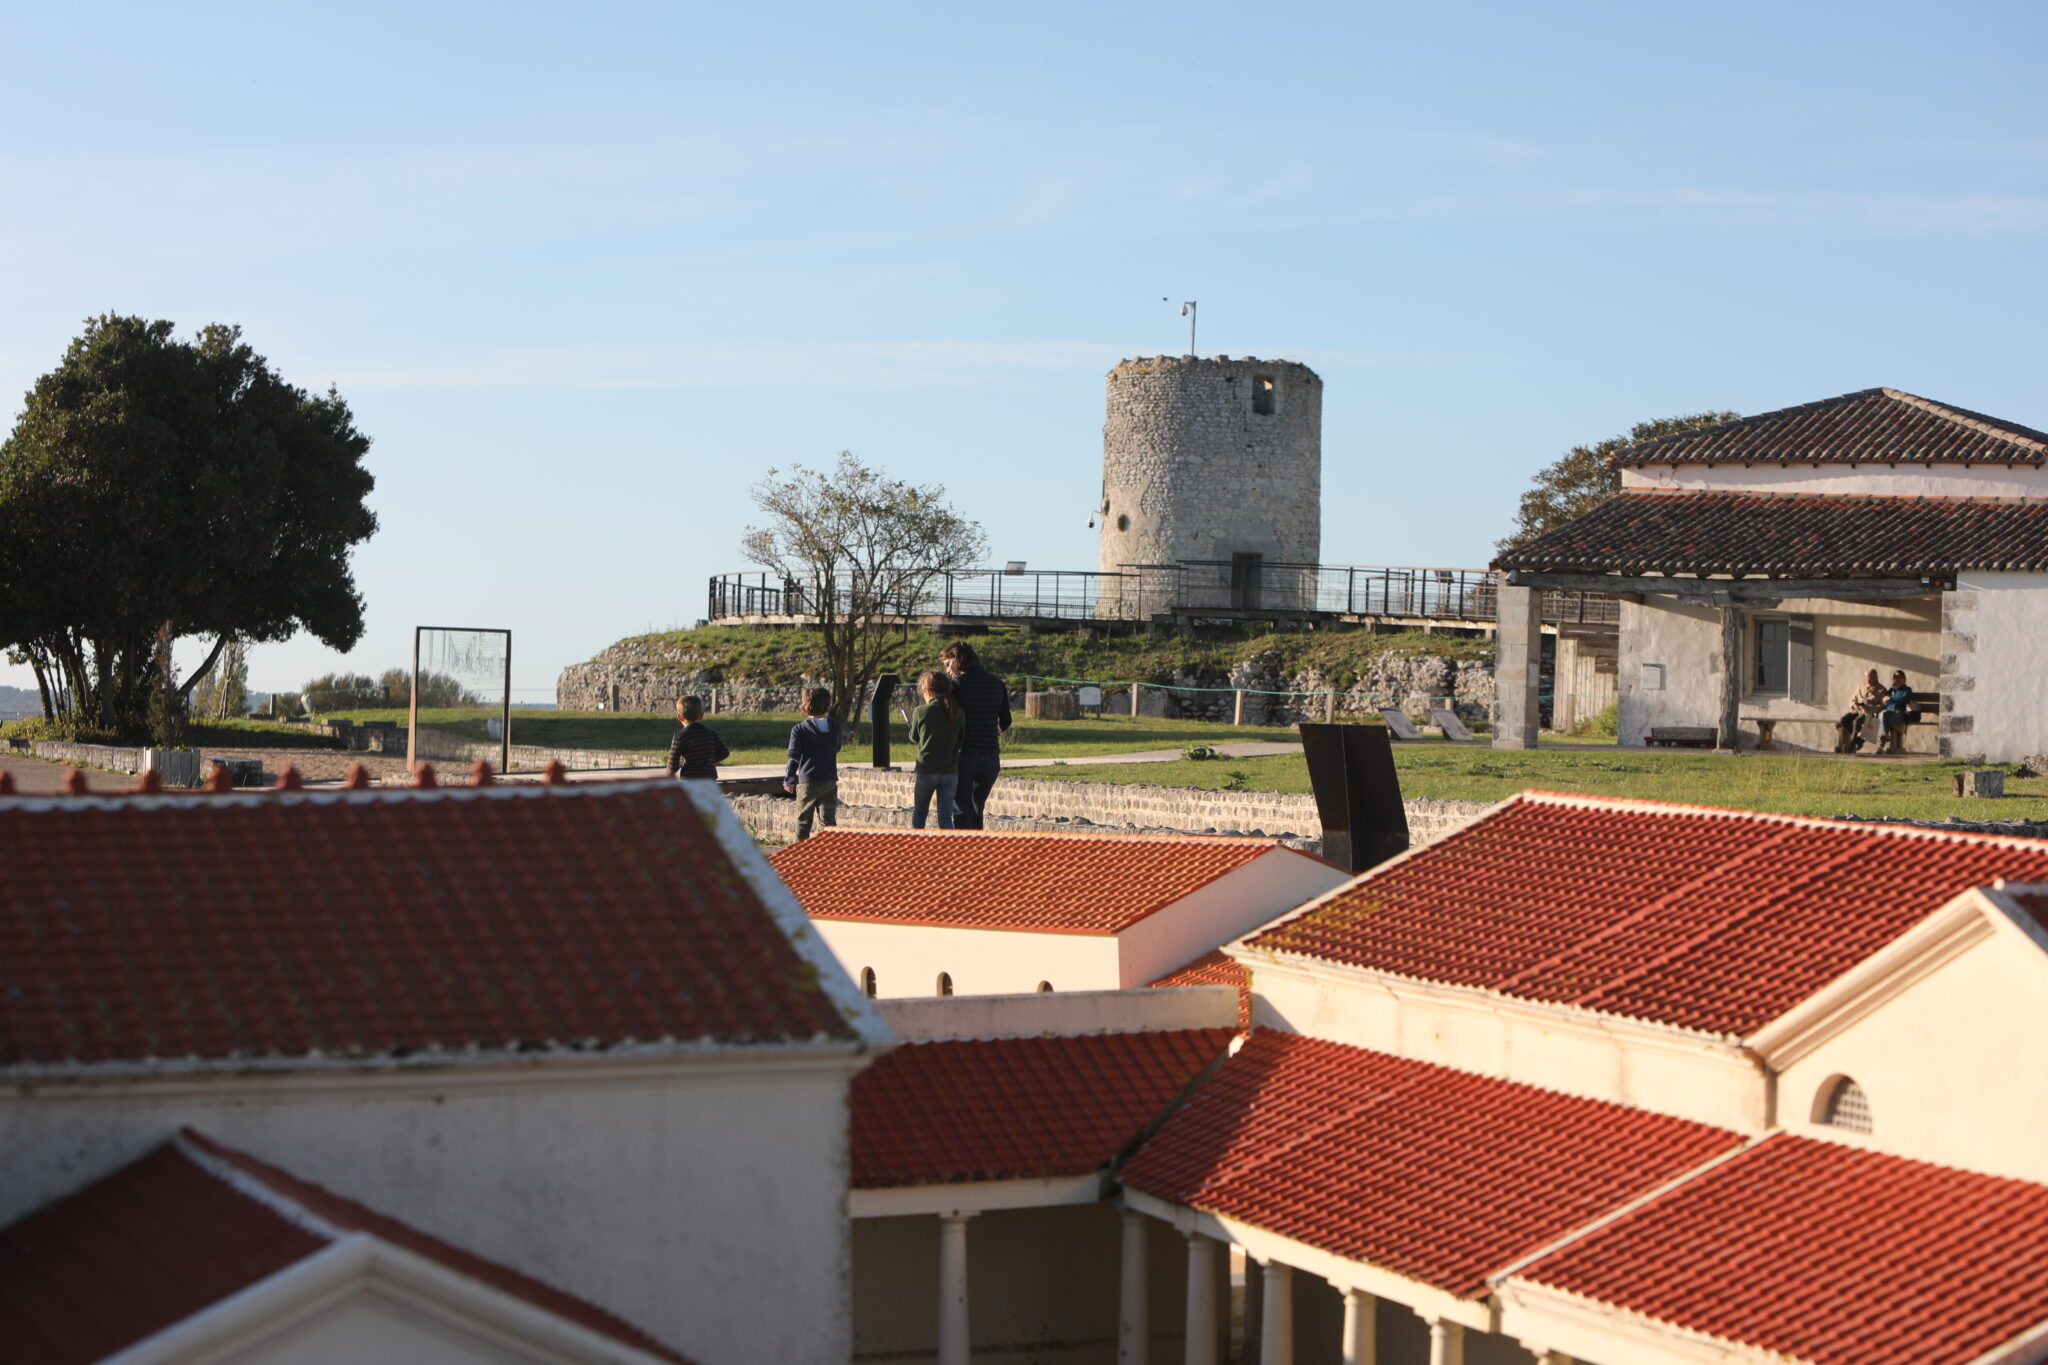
x,y
859,548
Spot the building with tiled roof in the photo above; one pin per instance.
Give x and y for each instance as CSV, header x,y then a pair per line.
x,y
975,913
197,1248
558,1026
1766,565
1634,1083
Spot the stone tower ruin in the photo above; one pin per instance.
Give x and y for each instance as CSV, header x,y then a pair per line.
x,y
1215,466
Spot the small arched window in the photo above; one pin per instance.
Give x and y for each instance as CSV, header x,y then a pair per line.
x,y
867,982
1842,1104
1045,988
945,983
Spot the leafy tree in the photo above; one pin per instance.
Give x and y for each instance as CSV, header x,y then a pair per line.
x,y
152,483
1584,477
436,689
343,692
863,546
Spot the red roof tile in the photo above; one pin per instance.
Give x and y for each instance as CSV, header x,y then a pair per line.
x,y
1016,1108
1050,883
1874,426
1788,534
1828,1254
1703,919
1435,1174
169,1235
382,923
1213,968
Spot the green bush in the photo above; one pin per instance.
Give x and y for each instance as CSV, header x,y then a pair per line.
x,y
1607,723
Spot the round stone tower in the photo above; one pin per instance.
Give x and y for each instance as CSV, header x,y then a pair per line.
x,y
1215,464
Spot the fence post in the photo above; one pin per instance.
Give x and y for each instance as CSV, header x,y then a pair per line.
x,y
1329,707
1238,718
1134,699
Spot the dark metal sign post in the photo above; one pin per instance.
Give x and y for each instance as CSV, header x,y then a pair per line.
x,y
1358,793
878,717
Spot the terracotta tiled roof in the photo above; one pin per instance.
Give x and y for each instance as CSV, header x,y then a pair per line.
x,y
1213,968
173,1233
1874,426
1827,1254
382,923
1792,535
1435,1174
1051,883
1703,919
1014,1108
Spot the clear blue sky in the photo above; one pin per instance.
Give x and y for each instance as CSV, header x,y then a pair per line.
x,y
586,272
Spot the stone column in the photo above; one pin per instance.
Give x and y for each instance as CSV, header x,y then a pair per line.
x,y
1446,1342
953,1339
1958,685
1517,665
1254,1309
1727,728
1201,1321
1276,1317
1361,1328
1134,1331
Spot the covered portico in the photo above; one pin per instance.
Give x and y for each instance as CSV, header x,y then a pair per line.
x,y
1748,613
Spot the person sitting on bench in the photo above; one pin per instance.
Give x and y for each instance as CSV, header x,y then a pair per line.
x,y
1865,705
1897,712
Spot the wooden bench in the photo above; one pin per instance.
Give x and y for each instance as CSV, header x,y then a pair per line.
x,y
1926,705
1683,736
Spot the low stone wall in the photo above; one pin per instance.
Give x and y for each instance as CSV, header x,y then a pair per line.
x,y
882,800
106,757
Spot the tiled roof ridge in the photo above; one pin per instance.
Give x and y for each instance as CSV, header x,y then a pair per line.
x,y
330,796
318,1207
1810,496
1653,806
1195,840
2012,433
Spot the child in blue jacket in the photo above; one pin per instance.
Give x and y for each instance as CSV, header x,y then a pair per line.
x,y
813,772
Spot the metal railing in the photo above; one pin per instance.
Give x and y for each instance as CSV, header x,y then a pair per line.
x,y
1138,592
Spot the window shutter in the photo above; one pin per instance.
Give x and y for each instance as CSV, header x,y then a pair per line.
x,y
1799,659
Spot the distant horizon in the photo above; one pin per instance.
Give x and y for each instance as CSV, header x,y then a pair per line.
x,y
585,283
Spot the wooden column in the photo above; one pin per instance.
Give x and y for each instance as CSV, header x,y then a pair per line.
x,y
1731,675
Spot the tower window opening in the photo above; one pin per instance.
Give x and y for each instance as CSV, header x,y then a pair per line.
x,y
945,983
867,982
1123,521
1262,395
1844,1105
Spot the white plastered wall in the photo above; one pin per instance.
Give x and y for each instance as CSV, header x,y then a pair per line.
x,y
1670,671
1885,481
907,958
1951,1064
2003,617
1228,908
1667,1071
706,1206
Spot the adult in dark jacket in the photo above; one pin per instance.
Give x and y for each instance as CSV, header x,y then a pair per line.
x,y
695,750
813,772
986,700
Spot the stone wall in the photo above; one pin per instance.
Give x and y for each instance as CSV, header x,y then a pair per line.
x,y
1020,802
1412,681
1191,470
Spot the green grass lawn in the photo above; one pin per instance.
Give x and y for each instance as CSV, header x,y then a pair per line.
x,y
765,738
1775,782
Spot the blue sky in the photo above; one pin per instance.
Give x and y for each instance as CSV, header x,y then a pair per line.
x,y
585,274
